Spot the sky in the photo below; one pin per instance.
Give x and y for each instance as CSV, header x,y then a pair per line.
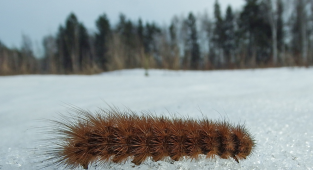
x,y
38,18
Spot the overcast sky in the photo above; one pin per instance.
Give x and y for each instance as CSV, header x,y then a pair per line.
x,y
37,18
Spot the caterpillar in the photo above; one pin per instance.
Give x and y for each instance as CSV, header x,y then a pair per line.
x,y
112,135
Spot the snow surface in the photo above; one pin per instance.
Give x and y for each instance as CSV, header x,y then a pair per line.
x,y
276,106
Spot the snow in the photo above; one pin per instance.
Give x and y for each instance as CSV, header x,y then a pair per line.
x,y
276,106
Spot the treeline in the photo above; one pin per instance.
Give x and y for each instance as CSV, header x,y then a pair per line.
x,y
264,33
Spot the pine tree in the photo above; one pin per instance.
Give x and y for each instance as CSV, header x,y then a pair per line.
x,y
127,32
299,30
73,46
68,44
218,35
229,35
85,57
281,45
63,62
140,32
280,25
121,24
151,30
193,41
256,31
102,38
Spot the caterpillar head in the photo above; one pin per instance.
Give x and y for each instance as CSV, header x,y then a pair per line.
x,y
246,145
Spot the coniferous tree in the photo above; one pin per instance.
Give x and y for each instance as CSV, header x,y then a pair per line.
x,y
102,38
271,11
127,32
172,31
229,35
67,43
86,62
310,35
121,24
140,32
256,31
218,35
299,30
73,46
151,30
280,28
193,41
252,37
72,41
129,36
174,53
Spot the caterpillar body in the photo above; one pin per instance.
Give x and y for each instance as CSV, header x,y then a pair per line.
x,y
114,136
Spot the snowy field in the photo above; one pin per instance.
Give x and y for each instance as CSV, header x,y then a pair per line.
x,y
276,106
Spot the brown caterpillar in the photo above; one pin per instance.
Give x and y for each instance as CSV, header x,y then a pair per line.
x,y
113,136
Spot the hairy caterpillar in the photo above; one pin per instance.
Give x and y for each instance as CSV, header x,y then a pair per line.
x,y
114,135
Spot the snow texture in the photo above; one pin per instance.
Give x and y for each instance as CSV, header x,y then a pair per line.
x,y
276,105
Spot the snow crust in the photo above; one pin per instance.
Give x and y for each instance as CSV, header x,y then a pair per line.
x,y
276,105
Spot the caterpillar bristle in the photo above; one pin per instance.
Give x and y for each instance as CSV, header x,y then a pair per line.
x,y
116,136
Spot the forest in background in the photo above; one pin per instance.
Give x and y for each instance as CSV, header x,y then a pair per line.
x,y
264,33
